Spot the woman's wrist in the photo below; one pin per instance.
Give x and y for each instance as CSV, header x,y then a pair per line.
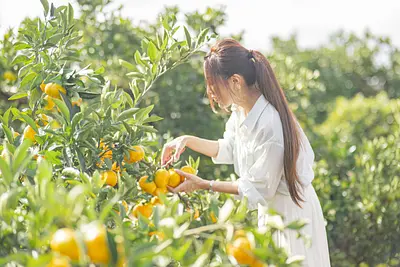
x,y
205,185
187,140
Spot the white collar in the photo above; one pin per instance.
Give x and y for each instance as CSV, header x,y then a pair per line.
x,y
252,117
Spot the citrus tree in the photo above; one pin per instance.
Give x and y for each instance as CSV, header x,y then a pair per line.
x,y
80,177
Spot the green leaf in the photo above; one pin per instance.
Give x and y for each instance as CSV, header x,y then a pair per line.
x,y
202,36
135,74
126,64
138,59
99,70
30,121
127,114
152,118
55,39
165,23
34,97
64,109
18,96
152,52
21,154
70,13
8,133
73,40
45,5
19,59
27,80
6,116
81,159
108,207
5,171
88,95
143,112
188,37
68,103
21,46
22,71
76,119
297,225
178,44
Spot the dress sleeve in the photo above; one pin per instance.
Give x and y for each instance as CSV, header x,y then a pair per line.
x,y
226,144
262,180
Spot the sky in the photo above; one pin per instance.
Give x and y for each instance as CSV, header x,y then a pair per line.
x,y
312,20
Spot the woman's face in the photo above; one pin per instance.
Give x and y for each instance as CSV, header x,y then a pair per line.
x,y
221,95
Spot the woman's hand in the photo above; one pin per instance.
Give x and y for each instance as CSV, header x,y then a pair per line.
x,y
173,150
191,183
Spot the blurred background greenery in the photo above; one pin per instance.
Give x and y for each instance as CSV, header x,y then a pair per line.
x,y
346,100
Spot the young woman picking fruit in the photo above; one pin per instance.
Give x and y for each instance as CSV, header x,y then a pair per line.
x,y
263,140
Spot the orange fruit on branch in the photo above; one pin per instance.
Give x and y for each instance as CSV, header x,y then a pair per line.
x,y
147,187
95,238
64,242
135,154
110,178
54,89
161,178
174,178
187,169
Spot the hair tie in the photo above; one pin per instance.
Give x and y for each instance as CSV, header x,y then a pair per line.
x,y
250,54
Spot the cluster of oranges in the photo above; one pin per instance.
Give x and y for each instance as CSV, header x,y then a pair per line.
x,y
30,133
53,90
110,177
241,250
146,209
162,178
64,243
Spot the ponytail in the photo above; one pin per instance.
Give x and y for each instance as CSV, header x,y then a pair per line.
x,y
267,83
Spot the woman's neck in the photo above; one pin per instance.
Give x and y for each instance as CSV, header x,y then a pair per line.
x,y
249,101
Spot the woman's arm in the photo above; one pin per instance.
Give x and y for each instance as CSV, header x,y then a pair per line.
x,y
172,150
194,182
203,146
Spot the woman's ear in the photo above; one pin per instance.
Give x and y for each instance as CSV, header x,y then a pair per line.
x,y
238,81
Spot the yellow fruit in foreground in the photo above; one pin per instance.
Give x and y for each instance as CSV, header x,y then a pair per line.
x,y
146,210
42,86
9,76
213,217
64,242
196,214
59,262
174,178
110,177
161,178
135,155
187,169
95,238
55,125
50,103
241,251
147,187
160,191
29,133
54,89
156,201
158,234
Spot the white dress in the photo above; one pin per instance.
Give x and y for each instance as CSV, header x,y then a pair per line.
x,y
254,144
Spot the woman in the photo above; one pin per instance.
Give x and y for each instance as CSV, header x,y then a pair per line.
x,y
270,152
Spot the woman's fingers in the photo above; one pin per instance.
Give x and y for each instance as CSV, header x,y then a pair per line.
x,y
185,174
179,188
165,154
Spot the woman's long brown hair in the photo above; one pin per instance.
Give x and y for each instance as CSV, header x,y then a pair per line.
x,y
226,58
